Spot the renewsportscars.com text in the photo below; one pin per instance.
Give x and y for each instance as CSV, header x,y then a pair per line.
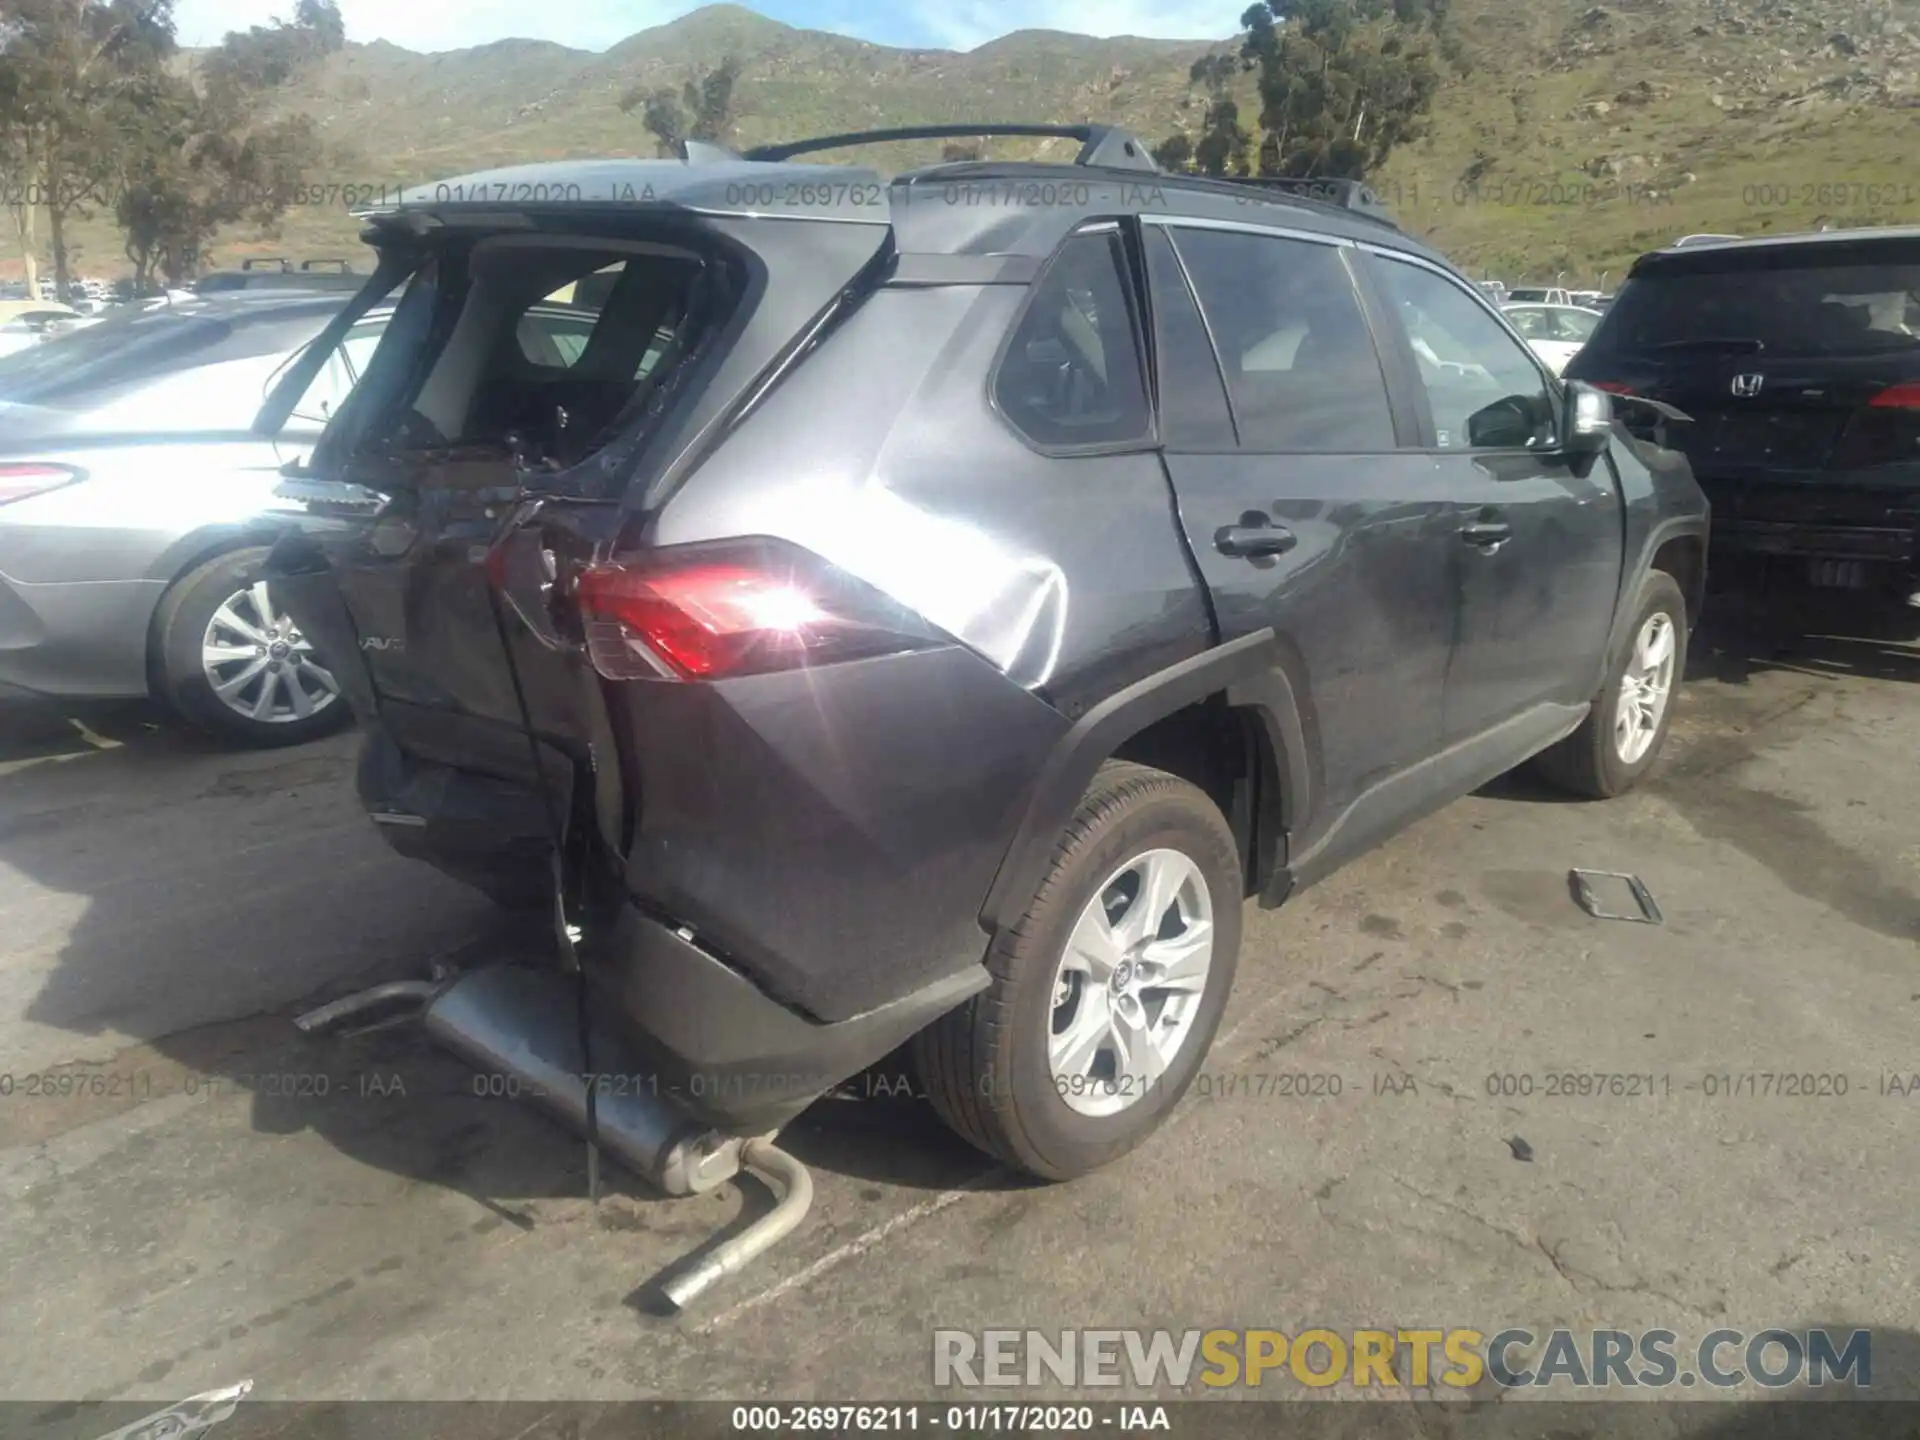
x,y
1385,1359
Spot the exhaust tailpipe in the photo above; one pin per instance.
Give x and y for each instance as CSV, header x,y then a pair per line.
x,y
524,1024
762,1157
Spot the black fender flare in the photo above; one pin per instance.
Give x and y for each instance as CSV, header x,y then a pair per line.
x,y
1248,670
1674,527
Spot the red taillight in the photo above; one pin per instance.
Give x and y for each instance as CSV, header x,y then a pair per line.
x,y
1612,387
17,482
708,615
1898,397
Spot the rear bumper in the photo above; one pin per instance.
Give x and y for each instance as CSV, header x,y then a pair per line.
x,y
712,1040
83,638
1835,542
1871,518
697,1027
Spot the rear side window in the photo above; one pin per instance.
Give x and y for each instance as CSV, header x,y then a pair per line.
x,y
1770,308
1299,356
1071,374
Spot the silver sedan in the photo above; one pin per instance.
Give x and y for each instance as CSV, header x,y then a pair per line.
x,y
135,502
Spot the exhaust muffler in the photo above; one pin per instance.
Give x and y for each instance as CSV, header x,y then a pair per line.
x,y
523,1024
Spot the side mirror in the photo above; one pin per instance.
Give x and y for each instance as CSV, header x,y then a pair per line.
x,y
1506,424
1587,424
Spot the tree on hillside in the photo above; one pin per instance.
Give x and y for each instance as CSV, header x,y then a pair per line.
x,y
70,66
1224,145
1342,83
703,109
208,155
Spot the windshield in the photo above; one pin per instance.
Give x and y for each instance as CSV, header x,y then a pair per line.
x,y
1814,310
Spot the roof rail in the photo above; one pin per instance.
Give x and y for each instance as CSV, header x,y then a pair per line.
x,y
1106,146
1342,194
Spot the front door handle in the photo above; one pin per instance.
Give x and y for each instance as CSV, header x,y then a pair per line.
x,y
1487,534
1254,542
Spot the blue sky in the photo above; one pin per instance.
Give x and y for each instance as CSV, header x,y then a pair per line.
x,y
596,24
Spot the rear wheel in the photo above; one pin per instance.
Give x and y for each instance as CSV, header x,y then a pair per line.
x,y
233,663
1621,737
1107,993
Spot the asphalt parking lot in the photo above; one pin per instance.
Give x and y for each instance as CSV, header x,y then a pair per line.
x,y
166,907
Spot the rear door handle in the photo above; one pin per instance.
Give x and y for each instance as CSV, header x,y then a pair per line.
x,y
1254,542
1487,534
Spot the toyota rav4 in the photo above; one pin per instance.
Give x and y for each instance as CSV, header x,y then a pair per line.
x,y
926,609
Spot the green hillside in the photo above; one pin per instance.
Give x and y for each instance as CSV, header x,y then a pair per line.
x,y
1582,135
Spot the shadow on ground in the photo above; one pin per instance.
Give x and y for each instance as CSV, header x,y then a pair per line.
x,y
196,899
1806,631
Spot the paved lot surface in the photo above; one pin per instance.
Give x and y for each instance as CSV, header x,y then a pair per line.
x,y
164,908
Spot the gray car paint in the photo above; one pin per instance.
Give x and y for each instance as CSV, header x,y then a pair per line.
x,y
173,473
833,834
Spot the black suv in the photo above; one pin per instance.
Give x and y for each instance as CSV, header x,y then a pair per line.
x,y
925,610
1798,359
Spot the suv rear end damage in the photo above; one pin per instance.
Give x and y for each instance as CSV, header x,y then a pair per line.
x,y
540,638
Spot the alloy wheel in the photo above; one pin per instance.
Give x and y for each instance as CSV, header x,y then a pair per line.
x,y
1130,983
1645,689
259,664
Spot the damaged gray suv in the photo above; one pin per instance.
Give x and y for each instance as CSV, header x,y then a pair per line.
x,y
924,610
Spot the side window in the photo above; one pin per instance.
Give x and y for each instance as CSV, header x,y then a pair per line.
x,y
1193,396
1483,386
554,337
1071,373
324,394
1299,358
1532,324
360,343
1574,325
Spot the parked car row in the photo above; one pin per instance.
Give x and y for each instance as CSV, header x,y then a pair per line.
x,y
138,464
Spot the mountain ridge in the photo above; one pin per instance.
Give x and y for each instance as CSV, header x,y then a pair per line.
x,y
1584,134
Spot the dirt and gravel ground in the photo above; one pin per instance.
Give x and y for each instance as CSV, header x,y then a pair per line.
x,y
165,907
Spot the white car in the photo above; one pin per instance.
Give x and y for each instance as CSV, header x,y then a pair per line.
x,y
1555,332
25,323
1538,295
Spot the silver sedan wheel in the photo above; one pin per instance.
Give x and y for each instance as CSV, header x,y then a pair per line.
x,y
1645,689
260,665
1130,983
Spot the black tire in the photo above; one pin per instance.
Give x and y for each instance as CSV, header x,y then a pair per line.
x,y
986,1066
1588,762
180,628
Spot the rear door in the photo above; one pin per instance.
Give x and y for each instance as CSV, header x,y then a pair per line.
x,y
1539,549
1301,508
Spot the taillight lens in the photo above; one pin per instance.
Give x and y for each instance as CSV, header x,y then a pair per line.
x,y
1886,431
17,482
1613,387
1898,397
710,613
